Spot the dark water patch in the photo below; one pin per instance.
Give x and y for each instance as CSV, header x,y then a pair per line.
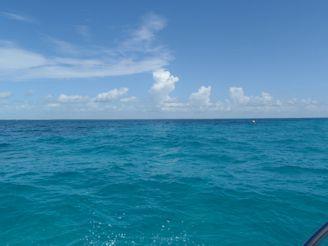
x,y
4,146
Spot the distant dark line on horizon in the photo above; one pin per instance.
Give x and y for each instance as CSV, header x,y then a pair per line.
x,y
172,119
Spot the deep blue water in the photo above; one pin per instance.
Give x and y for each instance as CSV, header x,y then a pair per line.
x,y
208,182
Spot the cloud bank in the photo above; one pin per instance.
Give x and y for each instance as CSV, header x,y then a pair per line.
x,y
119,103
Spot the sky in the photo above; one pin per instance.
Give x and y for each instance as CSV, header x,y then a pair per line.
x,y
163,59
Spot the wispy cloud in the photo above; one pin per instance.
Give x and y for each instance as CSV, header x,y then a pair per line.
x,y
151,24
14,60
63,47
17,17
72,61
143,37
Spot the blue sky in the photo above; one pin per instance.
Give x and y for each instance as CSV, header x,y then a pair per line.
x,y
162,59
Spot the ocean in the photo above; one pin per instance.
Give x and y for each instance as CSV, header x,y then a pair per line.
x,y
163,182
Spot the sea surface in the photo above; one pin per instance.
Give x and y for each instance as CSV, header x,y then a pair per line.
x,y
163,182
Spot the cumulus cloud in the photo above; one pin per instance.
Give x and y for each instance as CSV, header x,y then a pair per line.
x,y
163,86
238,103
111,95
238,96
242,101
265,99
201,98
113,100
199,105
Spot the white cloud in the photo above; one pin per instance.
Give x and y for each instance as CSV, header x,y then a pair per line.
x,y
143,39
198,105
239,103
76,103
5,94
163,86
238,96
85,63
128,99
263,101
266,97
20,64
111,95
201,98
16,17
63,98
137,54
16,59
151,24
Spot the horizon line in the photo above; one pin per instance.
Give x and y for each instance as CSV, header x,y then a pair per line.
x,y
171,119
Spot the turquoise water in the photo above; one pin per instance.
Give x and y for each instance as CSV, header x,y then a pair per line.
x,y
209,182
